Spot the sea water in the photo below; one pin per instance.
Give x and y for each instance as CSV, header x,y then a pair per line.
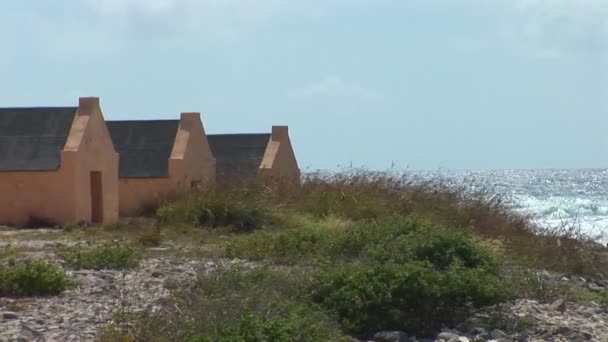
x,y
554,197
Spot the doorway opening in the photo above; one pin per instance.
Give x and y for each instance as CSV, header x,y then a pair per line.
x,y
96,197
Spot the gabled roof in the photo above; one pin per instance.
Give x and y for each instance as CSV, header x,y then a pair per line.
x,y
31,139
144,147
238,155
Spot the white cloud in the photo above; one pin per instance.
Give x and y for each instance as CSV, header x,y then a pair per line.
x,y
336,87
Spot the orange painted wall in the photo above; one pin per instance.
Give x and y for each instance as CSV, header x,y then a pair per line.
x,y
279,163
64,196
191,167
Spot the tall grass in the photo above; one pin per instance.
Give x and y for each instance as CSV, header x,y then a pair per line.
x,y
362,196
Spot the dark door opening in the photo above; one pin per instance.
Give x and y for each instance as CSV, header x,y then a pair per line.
x,y
96,197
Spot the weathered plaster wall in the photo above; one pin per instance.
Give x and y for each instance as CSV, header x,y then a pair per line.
x,y
64,196
91,145
279,163
192,155
191,167
37,194
136,193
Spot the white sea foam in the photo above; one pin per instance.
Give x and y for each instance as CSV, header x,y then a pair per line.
x,y
553,197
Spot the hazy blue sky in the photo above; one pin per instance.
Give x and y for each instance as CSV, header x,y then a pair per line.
x,y
455,84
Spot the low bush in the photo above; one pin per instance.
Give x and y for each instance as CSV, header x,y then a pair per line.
x,y
321,238
242,218
288,246
31,278
150,237
413,297
438,245
108,255
393,239
215,210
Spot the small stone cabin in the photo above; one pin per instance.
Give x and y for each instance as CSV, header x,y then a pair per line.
x,y
160,159
267,157
57,166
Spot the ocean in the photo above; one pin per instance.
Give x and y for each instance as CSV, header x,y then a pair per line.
x,y
577,196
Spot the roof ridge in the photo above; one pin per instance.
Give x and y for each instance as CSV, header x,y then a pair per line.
x,y
226,134
143,121
38,108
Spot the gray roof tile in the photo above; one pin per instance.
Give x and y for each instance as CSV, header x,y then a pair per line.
x,y
31,139
238,156
144,146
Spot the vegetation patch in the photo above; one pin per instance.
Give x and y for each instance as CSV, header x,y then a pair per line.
x,y
215,210
108,255
367,252
235,305
413,297
31,278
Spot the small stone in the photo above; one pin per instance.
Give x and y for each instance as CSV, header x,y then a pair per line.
x,y
562,331
167,245
171,284
594,287
156,274
558,305
447,336
9,315
390,336
497,334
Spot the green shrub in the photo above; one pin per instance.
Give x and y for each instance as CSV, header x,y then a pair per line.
x,y
413,297
108,255
214,210
241,218
321,238
393,239
31,278
284,323
285,246
443,247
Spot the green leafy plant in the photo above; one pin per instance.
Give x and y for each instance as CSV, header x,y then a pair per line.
x,y
108,255
31,278
215,210
413,297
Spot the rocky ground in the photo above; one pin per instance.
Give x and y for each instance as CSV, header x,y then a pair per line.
x,y
80,313
558,321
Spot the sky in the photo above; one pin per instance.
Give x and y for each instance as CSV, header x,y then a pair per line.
x,y
376,84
